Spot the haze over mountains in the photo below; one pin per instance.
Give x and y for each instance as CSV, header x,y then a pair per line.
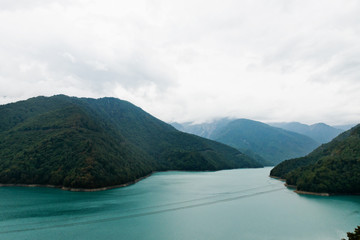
x,y
333,167
91,143
345,127
320,132
269,145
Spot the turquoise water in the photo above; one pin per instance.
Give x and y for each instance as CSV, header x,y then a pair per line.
x,y
231,204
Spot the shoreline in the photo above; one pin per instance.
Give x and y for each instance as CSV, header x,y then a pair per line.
x,y
278,178
312,193
290,186
101,188
300,191
70,189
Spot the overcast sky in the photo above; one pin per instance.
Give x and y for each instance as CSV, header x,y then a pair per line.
x,y
267,60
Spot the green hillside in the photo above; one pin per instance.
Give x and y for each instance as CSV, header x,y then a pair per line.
x,y
273,144
91,143
268,145
333,167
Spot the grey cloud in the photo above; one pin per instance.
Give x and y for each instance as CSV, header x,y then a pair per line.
x,y
347,69
208,59
11,5
129,73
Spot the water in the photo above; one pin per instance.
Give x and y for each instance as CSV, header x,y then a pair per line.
x,y
231,204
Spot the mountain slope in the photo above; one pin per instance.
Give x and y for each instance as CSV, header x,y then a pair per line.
x,y
205,130
320,132
333,167
269,145
344,127
91,143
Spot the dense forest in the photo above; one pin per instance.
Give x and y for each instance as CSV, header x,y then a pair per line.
x,y
90,143
332,168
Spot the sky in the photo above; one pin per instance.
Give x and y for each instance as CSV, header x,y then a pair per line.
x,y
266,60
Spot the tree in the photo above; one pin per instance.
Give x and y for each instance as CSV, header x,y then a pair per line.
x,y
355,235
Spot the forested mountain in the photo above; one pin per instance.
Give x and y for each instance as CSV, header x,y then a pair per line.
x,y
90,143
320,132
267,144
332,168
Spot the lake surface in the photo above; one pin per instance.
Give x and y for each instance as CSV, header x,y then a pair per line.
x,y
232,204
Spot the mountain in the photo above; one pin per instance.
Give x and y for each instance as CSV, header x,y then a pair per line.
x,y
320,132
91,143
205,130
332,168
267,144
344,127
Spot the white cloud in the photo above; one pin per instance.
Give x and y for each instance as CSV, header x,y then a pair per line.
x,y
279,60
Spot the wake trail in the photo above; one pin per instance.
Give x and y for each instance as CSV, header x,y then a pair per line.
x,y
216,195
141,214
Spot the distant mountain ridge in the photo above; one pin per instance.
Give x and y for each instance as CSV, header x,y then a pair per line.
x,y
92,143
320,132
344,127
272,145
206,130
331,168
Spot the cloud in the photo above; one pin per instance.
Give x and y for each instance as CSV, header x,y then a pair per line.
x,y
194,60
9,5
61,47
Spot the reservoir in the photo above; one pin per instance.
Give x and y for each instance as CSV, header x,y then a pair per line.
x,y
229,204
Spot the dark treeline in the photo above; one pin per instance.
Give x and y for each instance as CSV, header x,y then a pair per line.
x,y
88,143
354,235
333,167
